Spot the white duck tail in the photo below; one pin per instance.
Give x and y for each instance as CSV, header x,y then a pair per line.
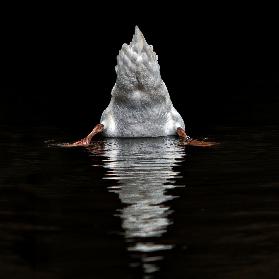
x,y
140,105
137,64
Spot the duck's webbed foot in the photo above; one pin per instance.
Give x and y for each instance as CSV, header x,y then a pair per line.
x,y
86,141
186,140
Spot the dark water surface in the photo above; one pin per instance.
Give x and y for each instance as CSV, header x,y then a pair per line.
x,y
139,208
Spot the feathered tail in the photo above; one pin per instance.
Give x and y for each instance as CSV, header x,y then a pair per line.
x,y
137,65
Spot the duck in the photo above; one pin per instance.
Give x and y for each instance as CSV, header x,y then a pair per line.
x,y
140,104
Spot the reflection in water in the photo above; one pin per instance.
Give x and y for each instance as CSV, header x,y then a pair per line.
x,y
144,171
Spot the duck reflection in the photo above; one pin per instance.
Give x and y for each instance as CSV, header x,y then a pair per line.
x,y
144,171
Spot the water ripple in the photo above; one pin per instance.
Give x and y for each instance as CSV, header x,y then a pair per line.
x,y
144,172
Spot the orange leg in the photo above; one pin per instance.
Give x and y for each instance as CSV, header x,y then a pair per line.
x,y
86,141
193,142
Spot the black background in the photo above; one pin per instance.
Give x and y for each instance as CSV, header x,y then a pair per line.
x,y
220,63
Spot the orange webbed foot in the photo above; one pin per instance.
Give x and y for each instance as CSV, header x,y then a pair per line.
x,y
186,140
85,142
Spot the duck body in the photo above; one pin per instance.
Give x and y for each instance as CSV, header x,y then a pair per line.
x,y
140,104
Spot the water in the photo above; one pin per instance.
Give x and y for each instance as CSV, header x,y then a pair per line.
x,y
139,208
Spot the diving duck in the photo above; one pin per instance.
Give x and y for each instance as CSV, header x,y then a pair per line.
x,y
140,104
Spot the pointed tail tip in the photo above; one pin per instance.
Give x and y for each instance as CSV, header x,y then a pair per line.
x,y
137,31
138,36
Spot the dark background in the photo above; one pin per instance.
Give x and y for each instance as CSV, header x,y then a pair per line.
x,y
219,63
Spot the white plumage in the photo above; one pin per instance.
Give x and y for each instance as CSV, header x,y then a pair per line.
x,y
140,105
